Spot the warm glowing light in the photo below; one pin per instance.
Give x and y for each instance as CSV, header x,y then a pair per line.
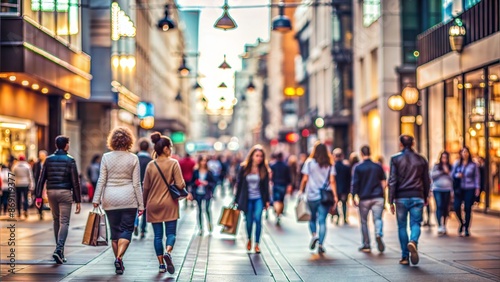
x,y
35,86
396,102
115,61
410,94
493,77
67,96
123,62
19,147
121,24
319,122
131,62
468,85
473,133
12,78
25,83
13,125
482,84
478,126
45,90
289,91
147,122
460,86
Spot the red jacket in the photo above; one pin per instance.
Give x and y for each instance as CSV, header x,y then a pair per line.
x,y
187,167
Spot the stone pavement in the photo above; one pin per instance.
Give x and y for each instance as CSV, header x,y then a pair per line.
x,y
285,254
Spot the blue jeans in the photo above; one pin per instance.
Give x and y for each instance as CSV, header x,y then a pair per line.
x,y
377,207
415,208
442,199
142,221
199,199
254,214
170,229
467,197
318,216
22,198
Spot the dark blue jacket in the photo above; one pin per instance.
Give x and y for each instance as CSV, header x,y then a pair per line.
x,y
342,178
212,182
366,180
281,174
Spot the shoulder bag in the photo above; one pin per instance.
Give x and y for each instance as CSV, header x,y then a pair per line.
x,y
175,192
326,194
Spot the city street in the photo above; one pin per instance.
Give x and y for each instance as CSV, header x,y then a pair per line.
x,y
285,254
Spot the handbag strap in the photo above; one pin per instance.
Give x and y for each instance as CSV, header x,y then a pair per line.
x,y
327,179
161,173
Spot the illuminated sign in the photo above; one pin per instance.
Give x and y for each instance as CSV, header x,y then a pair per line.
x,y
70,7
145,109
121,24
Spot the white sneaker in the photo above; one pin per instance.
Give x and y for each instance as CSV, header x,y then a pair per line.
x,y
441,230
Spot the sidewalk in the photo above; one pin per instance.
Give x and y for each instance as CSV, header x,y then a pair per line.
x,y
285,254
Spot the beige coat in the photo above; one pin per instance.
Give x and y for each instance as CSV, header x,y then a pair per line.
x,y
159,204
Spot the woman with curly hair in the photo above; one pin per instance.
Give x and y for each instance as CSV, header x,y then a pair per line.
x,y
162,210
119,191
252,192
317,171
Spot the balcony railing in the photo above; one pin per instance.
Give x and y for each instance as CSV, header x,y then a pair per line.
x,y
480,21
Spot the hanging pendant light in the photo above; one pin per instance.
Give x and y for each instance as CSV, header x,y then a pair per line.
x,y
222,85
282,23
225,22
251,86
197,86
183,69
166,23
224,64
178,98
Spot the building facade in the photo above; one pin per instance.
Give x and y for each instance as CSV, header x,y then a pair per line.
x,y
461,90
136,63
43,76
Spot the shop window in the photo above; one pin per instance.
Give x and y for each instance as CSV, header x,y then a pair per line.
x,y
475,112
454,116
9,7
494,136
371,11
435,114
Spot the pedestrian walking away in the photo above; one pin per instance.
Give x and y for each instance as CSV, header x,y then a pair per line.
x,y
187,166
252,192
409,185
281,179
119,191
144,159
93,170
37,170
63,188
202,185
368,183
343,182
4,175
442,185
466,173
317,171
162,209
23,176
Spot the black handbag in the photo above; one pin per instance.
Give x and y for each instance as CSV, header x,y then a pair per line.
x,y
457,185
326,194
175,192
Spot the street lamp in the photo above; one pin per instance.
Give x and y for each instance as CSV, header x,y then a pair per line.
x,y
410,95
222,85
225,22
251,86
166,23
282,23
457,35
396,102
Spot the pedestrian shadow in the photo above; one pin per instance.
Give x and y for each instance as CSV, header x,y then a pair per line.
x,y
317,258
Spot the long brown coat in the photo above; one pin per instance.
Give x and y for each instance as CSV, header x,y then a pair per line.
x,y
159,204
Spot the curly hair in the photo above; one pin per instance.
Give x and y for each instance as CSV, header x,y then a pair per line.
x,y
120,138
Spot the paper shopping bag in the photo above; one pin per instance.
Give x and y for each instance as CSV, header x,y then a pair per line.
x,y
96,231
302,211
232,225
228,216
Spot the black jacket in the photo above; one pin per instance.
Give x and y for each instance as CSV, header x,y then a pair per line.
x,y
144,160
37,170
60,172
366,180
342,178
409,176
281,174
242,190
212,182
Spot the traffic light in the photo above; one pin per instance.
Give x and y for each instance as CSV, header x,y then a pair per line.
x,y
288,137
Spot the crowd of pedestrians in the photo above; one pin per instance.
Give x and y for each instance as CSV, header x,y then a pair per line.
x,y
133,189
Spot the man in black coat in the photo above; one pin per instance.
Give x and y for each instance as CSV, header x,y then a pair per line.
x,y
343,180
63,187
